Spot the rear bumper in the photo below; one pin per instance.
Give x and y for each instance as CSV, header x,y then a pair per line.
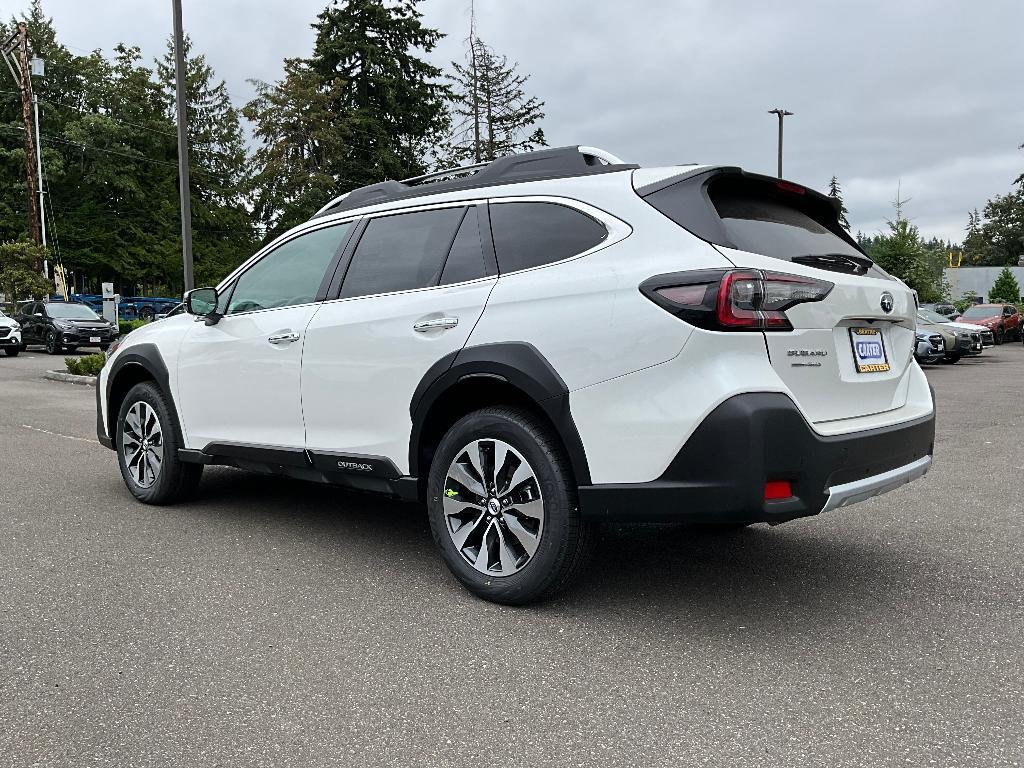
x,y
750,439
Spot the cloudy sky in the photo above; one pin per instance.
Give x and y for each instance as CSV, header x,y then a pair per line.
x,y
924,94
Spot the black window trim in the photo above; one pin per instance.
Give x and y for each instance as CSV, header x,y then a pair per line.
x,y
490,264
226,287
617,230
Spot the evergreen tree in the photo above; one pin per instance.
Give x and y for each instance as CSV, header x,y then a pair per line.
x,y
494,114
363,108
834,190
974,241
901,253
1005,289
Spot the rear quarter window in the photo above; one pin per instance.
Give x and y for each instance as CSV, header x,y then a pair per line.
x,y
532,234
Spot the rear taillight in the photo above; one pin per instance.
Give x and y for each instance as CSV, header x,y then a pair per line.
x,y
734,300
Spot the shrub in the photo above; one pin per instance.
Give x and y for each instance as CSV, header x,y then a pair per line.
x,y
127,326
87,365
1005,288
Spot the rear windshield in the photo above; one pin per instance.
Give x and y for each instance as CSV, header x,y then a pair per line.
x,y
764,216
773,228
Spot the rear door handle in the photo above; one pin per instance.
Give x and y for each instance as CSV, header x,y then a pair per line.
x,y
283,338
441,322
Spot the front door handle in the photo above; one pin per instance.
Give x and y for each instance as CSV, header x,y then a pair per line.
x,y
283,338
441,322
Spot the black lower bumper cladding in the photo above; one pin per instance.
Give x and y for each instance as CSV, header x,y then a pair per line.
x,y
750,439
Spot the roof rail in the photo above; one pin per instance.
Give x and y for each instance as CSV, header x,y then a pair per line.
x,y
558,162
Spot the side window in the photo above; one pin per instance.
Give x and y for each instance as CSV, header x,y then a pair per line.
x,y
401,252
531,234
290,274
466,257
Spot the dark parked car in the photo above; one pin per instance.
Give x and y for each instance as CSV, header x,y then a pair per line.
x,y
63,326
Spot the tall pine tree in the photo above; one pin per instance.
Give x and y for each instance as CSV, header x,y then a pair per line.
x,y
493,115
365,107
834,190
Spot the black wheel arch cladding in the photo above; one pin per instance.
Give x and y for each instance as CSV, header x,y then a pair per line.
x,y
136,360
519,365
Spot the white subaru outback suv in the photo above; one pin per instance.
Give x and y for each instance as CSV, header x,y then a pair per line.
x,y
535,344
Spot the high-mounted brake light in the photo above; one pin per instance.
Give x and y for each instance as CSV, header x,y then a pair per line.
x,y
734,300
788,186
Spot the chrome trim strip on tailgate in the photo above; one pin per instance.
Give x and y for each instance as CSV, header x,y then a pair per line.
x,y
861,490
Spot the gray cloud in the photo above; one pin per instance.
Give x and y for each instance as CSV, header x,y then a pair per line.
x,y
915,93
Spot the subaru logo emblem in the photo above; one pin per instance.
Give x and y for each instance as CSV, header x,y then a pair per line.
x,y
887,302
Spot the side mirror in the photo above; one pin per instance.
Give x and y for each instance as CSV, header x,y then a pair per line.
x,y
203,302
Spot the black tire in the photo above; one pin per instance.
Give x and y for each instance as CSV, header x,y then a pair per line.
x,y
53,345
104,347
146,313
176,480
951,359
12,351
1000,335
565,537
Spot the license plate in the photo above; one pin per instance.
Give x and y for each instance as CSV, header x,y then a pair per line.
x,y
868,350
94,339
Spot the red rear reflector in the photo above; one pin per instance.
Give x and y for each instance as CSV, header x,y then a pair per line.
x,y
787,186
777,489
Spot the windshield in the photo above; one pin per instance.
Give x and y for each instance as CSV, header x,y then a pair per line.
x,y
932,316
70,311
980,313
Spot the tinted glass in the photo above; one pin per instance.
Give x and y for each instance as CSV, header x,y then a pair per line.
x,y
980,313
531,234
398,253
932,317
70,311
290,274
466,258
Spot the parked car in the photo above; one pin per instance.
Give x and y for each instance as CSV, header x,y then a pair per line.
x,y
957,343
930,347
10,335
984,336
129,307
64,326
539,343
1002,319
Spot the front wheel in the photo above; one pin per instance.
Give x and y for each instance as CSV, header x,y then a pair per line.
x,y
502,504
1000,335
147,449
12,351
53,346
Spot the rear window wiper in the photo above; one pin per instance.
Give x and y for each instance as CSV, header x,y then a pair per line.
x,y
836,262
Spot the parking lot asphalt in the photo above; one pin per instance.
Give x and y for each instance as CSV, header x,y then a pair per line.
x,y
272,622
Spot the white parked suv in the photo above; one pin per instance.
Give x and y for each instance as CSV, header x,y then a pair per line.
x,y
10,335
536,344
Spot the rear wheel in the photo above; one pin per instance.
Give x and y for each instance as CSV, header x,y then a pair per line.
x,y
502,505
147,449
146,313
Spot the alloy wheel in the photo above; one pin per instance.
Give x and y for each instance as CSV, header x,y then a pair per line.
x,y
493,507
142,444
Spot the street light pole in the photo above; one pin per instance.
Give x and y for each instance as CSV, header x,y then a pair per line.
x,y
183,179
781,113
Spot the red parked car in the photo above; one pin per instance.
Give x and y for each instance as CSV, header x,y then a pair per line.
x,y
1002,319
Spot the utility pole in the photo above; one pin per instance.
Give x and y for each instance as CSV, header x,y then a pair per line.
x,y
183,179
782,114
39,168
16,47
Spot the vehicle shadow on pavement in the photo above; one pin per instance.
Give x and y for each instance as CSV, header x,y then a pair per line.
x,y
773,578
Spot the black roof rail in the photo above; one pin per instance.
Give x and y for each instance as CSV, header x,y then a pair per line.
x,y
558,162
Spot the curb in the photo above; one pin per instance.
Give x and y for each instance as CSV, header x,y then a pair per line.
x,y
70,378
